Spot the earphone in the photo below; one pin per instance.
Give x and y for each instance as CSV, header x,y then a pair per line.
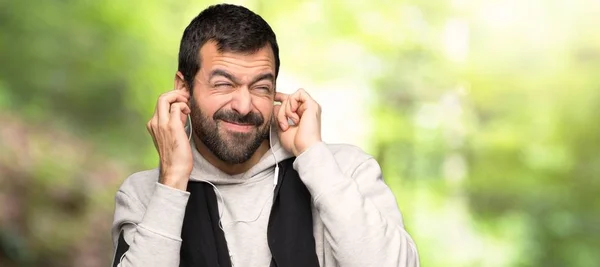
x,y
190,134
276,175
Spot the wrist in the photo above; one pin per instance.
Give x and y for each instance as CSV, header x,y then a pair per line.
x,y
174,181
307,146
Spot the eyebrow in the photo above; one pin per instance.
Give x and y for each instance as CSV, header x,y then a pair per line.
x,y
265,76
219,72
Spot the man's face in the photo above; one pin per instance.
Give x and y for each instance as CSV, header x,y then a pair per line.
x,y
233,101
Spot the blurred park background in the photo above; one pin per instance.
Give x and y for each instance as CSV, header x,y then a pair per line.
x,y
482,113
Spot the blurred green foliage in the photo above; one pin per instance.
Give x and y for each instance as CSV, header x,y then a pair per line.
x,y
484,114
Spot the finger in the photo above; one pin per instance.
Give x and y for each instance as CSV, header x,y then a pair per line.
x,y
301,96
153,125
302,109
304,99
185,114
181,109
281,118
150,126
294,105
164,116
175,95
165,101
289,113
185,108
281,97
297,98
175,120
164,104
183,93
276,108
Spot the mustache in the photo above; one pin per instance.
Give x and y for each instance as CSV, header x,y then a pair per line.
x,y
251,118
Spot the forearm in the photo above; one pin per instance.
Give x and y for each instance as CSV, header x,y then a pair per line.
x,y
156,239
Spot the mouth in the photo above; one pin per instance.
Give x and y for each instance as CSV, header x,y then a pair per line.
x,y
237,127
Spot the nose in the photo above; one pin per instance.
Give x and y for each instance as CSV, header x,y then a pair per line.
x,y
241,101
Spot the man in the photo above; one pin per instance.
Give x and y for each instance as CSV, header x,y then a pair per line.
x,y
255,185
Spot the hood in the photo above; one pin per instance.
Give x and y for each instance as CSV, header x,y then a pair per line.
x,y
203,170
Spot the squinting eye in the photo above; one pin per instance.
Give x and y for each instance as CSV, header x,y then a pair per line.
x,y
264,88
223,85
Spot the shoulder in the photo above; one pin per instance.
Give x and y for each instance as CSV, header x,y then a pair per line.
x,y
139,186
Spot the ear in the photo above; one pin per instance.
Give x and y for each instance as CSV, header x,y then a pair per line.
x,y
180,83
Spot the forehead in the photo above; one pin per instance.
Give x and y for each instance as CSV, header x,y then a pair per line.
x,y
236,62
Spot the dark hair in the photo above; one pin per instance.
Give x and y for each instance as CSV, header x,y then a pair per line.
x,y
234,29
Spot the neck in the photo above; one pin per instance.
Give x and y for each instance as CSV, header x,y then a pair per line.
x,y
231,169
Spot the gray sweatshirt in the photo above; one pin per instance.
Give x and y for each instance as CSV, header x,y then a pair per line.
x,y
356,220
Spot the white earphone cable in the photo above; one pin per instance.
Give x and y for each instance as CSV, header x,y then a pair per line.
x,y
190,126
275,178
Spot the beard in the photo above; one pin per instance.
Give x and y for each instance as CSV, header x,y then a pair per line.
x,y
229,147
